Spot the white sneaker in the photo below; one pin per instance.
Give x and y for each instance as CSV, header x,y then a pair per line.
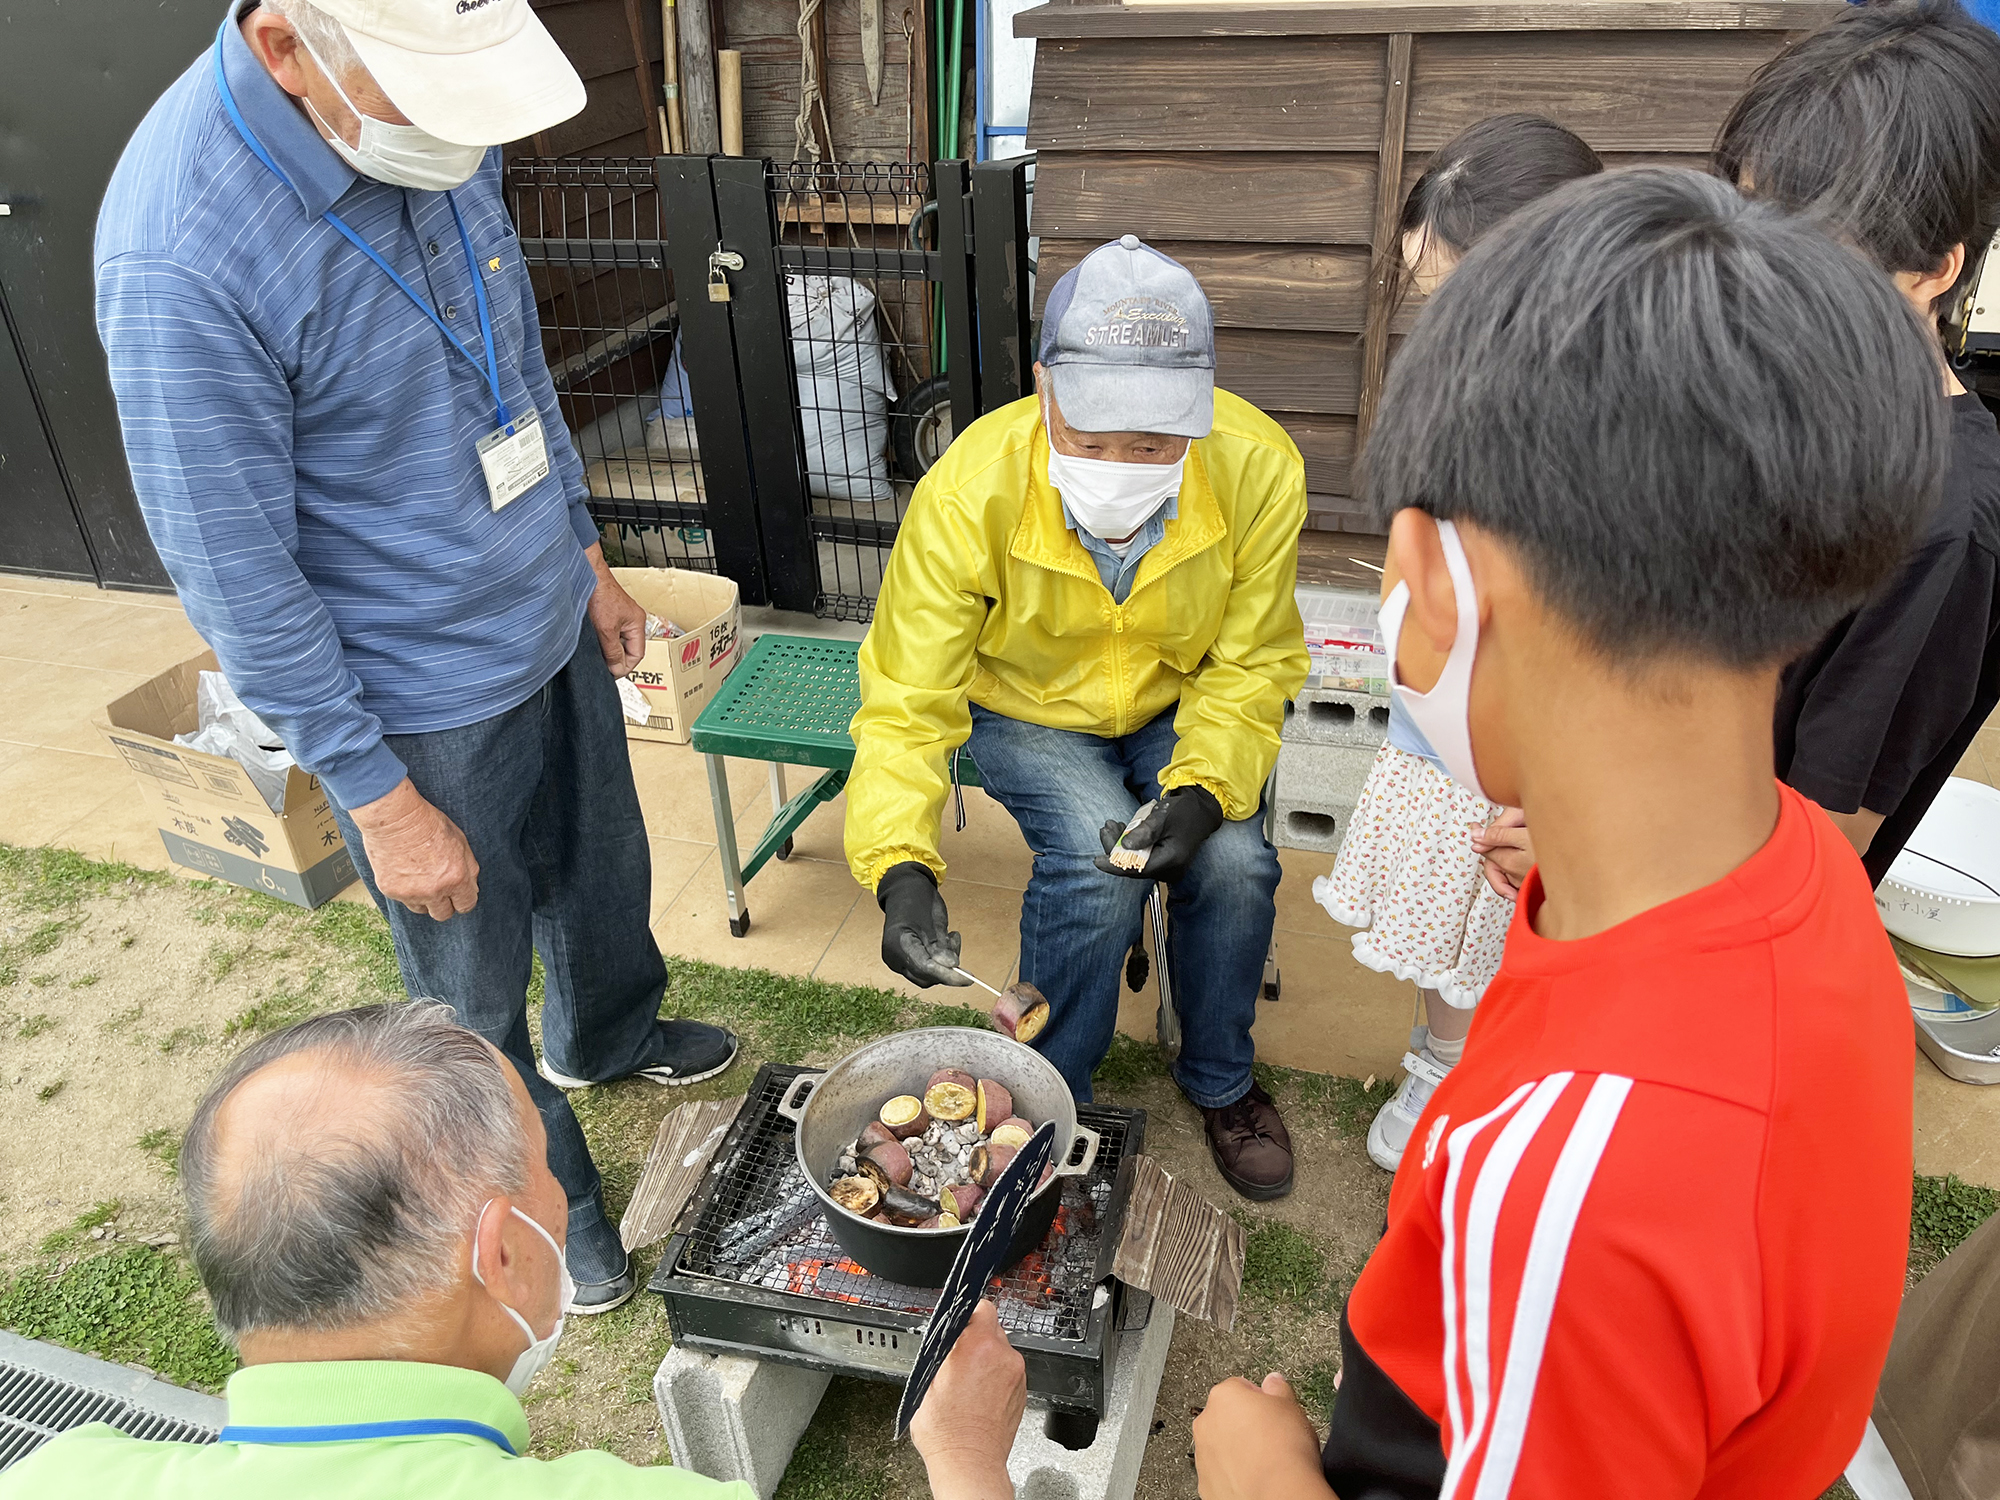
x,y
1396,1121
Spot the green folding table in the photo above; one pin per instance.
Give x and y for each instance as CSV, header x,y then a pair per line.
x,y
789,702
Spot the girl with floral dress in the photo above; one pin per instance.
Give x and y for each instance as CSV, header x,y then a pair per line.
x,y
1408,873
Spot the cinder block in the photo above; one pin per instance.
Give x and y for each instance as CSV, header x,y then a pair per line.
x,y
731,1417
1330,716
1318,786
1044,1467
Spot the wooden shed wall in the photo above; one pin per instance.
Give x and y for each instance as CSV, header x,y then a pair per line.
x,y
766,33
1254,158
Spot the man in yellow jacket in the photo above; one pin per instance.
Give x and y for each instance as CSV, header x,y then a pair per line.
x,y
1095,588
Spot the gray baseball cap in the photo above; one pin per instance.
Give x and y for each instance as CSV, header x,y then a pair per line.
x,y
1129,343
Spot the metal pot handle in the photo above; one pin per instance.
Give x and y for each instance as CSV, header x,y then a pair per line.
x,y
1091,1140
793,1105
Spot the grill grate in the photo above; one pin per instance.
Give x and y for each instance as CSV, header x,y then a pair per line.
x,y
1048,1294
35,1407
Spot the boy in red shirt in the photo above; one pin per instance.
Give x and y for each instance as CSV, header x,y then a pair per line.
x,y
1648,1240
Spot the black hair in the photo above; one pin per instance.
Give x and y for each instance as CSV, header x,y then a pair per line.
x,y
1487,171
1703,427
1885,123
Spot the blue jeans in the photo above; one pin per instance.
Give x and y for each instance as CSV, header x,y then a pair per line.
x,y
544,795
1078,923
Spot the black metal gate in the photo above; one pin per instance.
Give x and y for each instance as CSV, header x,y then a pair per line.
x,y
835,325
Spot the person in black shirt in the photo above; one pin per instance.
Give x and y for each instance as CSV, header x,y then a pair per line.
x,y
1885,126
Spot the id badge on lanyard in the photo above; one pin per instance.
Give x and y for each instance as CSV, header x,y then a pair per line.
x,y
515,462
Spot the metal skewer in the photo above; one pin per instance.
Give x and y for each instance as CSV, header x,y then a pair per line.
x,y
980,982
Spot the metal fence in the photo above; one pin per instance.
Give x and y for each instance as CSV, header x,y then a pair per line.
x,y
860,310
836,324
593,235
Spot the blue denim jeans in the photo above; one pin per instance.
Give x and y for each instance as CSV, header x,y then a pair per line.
x,y
544,795
1078,923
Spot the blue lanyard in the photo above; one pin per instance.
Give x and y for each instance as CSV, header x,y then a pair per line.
x,y
491,368
350,1432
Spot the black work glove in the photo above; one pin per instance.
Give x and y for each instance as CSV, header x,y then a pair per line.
x,y
1185,816
914,941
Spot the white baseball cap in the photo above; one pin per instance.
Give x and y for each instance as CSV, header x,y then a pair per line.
x,y
472,72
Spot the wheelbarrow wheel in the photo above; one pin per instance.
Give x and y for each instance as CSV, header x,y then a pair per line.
x,y
920,427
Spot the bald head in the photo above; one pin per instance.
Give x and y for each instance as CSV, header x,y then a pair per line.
x,y
334,1170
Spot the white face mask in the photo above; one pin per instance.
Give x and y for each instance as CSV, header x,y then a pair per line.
x,y
1444,714
1108,499
531,1360
401,155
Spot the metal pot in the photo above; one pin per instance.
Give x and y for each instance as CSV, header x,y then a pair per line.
x,y
829,1109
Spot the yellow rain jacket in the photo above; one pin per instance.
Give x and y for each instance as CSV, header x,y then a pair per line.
x,y
989,598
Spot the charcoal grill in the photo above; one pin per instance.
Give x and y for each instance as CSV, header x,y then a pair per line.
x,y
800,1301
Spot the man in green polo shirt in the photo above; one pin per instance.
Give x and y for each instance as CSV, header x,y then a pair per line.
x,y
371,1210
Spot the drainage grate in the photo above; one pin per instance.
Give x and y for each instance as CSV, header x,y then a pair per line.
x,y
45,1391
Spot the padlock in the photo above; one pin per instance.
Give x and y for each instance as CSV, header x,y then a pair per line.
x,y
718,285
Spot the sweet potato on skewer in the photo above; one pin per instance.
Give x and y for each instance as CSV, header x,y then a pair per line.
x,y
1021,1012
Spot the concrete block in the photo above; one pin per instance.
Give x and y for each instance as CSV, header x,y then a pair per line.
x,y
1044,1467
1329,716
1318,786
731,1417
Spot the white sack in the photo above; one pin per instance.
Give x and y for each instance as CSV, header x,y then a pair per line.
x,y
844,387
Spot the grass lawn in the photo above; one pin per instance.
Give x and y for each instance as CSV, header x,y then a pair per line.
x,y
122,992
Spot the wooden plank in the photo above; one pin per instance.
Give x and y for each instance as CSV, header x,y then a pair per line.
x,y
701,114
1326,443
610,112
1282,370
767,30
1334,559
1620,91
1180,1247
862,129
611,345
1251,286
594,36
1301,197
1388,208
644,86
1148,18
680,1154
1244,94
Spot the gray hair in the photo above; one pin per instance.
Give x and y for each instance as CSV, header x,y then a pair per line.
x,y
321,1229
324,37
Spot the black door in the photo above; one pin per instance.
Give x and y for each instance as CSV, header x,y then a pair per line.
x,y
75,80
39,530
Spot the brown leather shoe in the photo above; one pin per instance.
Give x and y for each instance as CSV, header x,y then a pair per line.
x,y
1251,1147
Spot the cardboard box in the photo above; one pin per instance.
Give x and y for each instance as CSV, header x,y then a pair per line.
x,y
679,676
213,819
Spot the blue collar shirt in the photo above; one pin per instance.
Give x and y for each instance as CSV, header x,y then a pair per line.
x,y
302,438
1118,572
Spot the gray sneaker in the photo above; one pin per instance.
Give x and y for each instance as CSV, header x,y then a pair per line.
x,y
602,1296
695,1051
1389,1135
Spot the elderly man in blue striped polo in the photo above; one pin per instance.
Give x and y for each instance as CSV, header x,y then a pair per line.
x,y
349,454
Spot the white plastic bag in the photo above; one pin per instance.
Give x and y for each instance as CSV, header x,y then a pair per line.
x,y
671,429
226,727
844,387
